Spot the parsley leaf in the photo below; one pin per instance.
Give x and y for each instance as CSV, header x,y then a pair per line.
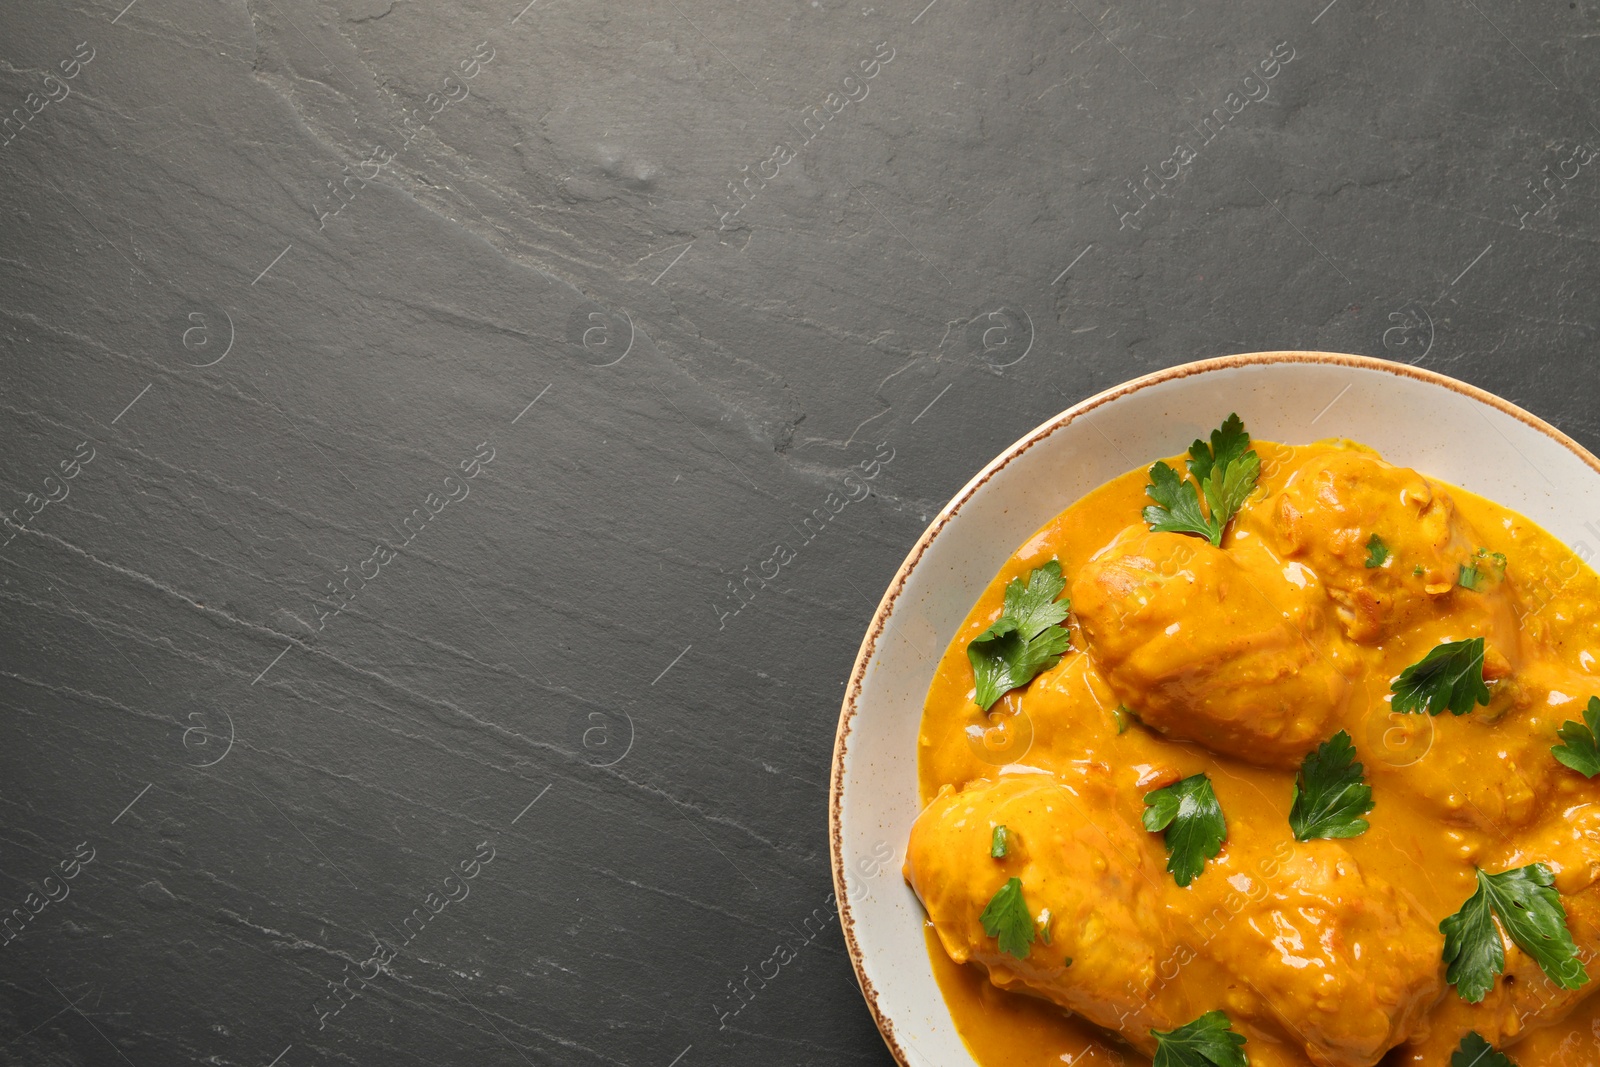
x,y
1209,1041
1527,905
1026,639
999,842
1007,919
1476,1052
1177,506
1530,912
1227,488
1580,752
1377,551
1473,951
1329,794
1450,676
1229,444
1192,819
1226,471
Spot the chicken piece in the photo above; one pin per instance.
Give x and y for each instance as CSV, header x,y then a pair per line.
x,y
1337,958
1492,769
1338,498
1101,880
1309,957
1492,777
1524,999
1231,649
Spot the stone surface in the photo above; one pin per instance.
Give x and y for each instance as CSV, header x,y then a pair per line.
x,y
291,664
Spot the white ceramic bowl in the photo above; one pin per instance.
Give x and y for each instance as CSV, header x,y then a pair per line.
x,y
1438,425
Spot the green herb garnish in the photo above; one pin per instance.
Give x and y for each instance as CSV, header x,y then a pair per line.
x,y
1026,640
1007,919
1329,794
1191,819
1209,1041
1581,751
1530,913
1450,676
1177,505
999,842
1225,472
1486,565
1476,1052
1377,551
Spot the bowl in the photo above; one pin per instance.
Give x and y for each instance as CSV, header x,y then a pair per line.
x,y
1442,427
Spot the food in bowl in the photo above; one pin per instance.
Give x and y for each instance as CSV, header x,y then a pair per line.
x,y
1274,755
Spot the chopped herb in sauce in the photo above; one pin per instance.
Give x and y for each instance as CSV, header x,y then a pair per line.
x,y
1377,552
1121,714
1485,566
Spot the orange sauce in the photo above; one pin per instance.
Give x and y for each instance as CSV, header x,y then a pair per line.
x,y
1451,793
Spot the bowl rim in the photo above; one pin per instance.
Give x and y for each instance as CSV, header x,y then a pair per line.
x,y
879,621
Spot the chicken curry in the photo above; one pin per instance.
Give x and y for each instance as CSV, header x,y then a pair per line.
x,y
1274,756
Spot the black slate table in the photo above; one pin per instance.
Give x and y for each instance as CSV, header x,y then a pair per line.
x,y
452,450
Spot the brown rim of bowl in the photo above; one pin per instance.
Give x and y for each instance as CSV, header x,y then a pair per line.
x,y
948,512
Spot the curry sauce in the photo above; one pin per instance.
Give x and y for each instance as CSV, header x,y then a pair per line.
x,y
1236,660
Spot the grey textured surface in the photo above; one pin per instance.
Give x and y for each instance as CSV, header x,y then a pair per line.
x,y
279,270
